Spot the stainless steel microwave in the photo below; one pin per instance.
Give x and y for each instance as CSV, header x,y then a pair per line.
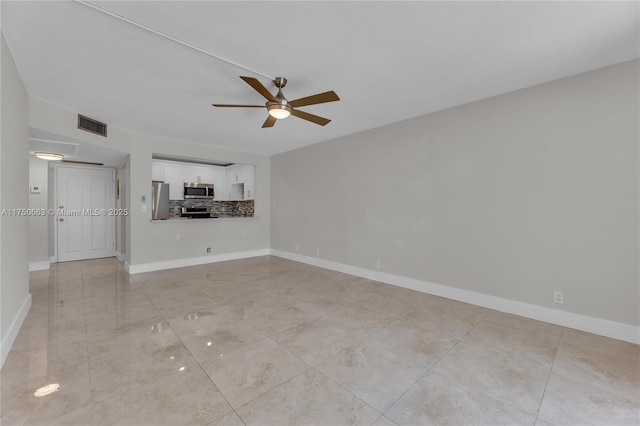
x,y
198,190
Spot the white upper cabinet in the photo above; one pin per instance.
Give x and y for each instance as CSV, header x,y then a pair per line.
x,y
198,173
220,183
249,174
157,171
173,176
240,182
234,183
234,174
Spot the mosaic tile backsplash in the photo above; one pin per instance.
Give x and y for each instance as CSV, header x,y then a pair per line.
x,y
220,208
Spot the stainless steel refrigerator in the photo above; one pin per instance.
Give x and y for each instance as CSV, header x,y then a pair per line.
x,y
160,200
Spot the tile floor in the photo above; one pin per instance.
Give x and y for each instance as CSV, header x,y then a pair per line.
x,y
268,341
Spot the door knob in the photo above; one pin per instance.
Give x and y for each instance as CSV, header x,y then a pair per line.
x,y
61,219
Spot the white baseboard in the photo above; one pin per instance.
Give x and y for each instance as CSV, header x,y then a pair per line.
x,y
12,332
615,330
39,266
180,263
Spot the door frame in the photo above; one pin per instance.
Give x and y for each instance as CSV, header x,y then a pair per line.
x,y
53,218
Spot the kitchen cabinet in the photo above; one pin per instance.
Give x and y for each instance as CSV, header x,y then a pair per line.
x,y
240,182
234,174
169,172
249,175
198,173
235,182
157,171
173,176
219,181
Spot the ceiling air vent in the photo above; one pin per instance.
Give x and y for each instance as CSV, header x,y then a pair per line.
x,y
91,125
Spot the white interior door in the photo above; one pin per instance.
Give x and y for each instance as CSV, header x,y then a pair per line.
x,y
85,221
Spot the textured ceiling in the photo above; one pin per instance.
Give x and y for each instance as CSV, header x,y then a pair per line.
x,y
388,61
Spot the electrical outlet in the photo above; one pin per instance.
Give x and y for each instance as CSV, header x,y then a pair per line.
x,y
318,252
376,264
297,248
177,237
558,297
208,249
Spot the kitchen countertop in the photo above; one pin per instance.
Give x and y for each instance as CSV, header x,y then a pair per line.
x,y
183,219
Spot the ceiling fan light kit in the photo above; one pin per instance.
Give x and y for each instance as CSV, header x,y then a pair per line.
x,y
279,107
279,111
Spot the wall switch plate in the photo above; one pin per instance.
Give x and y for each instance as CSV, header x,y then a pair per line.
x,y
144,208
143,199
208,249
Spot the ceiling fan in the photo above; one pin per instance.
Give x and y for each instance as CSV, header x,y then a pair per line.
x,y
279,107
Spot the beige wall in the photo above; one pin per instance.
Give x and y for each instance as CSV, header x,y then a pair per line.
x,y
14,178
122,174
514,196
156,242
38,225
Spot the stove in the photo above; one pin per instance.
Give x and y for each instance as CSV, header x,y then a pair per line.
x,y
196,212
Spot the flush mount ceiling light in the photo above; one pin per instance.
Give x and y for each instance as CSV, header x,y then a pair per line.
x,y
51,156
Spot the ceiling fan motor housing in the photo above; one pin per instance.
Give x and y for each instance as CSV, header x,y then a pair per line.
x,y
281,102
280,82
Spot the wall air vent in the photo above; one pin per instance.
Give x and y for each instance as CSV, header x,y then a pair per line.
x,y
91,125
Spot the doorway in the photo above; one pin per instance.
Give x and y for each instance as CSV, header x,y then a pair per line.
x,y
85,216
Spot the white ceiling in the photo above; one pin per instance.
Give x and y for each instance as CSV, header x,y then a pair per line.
x,y
388,61
73,149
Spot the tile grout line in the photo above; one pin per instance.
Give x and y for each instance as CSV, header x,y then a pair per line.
x,y
198,362
86,341
544,392
367,338
345,389
430,368
309,366
482,391
194,359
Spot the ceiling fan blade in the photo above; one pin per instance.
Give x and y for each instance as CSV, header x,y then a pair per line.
x,y
259,88
319,98
237,106
310,117
269,122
